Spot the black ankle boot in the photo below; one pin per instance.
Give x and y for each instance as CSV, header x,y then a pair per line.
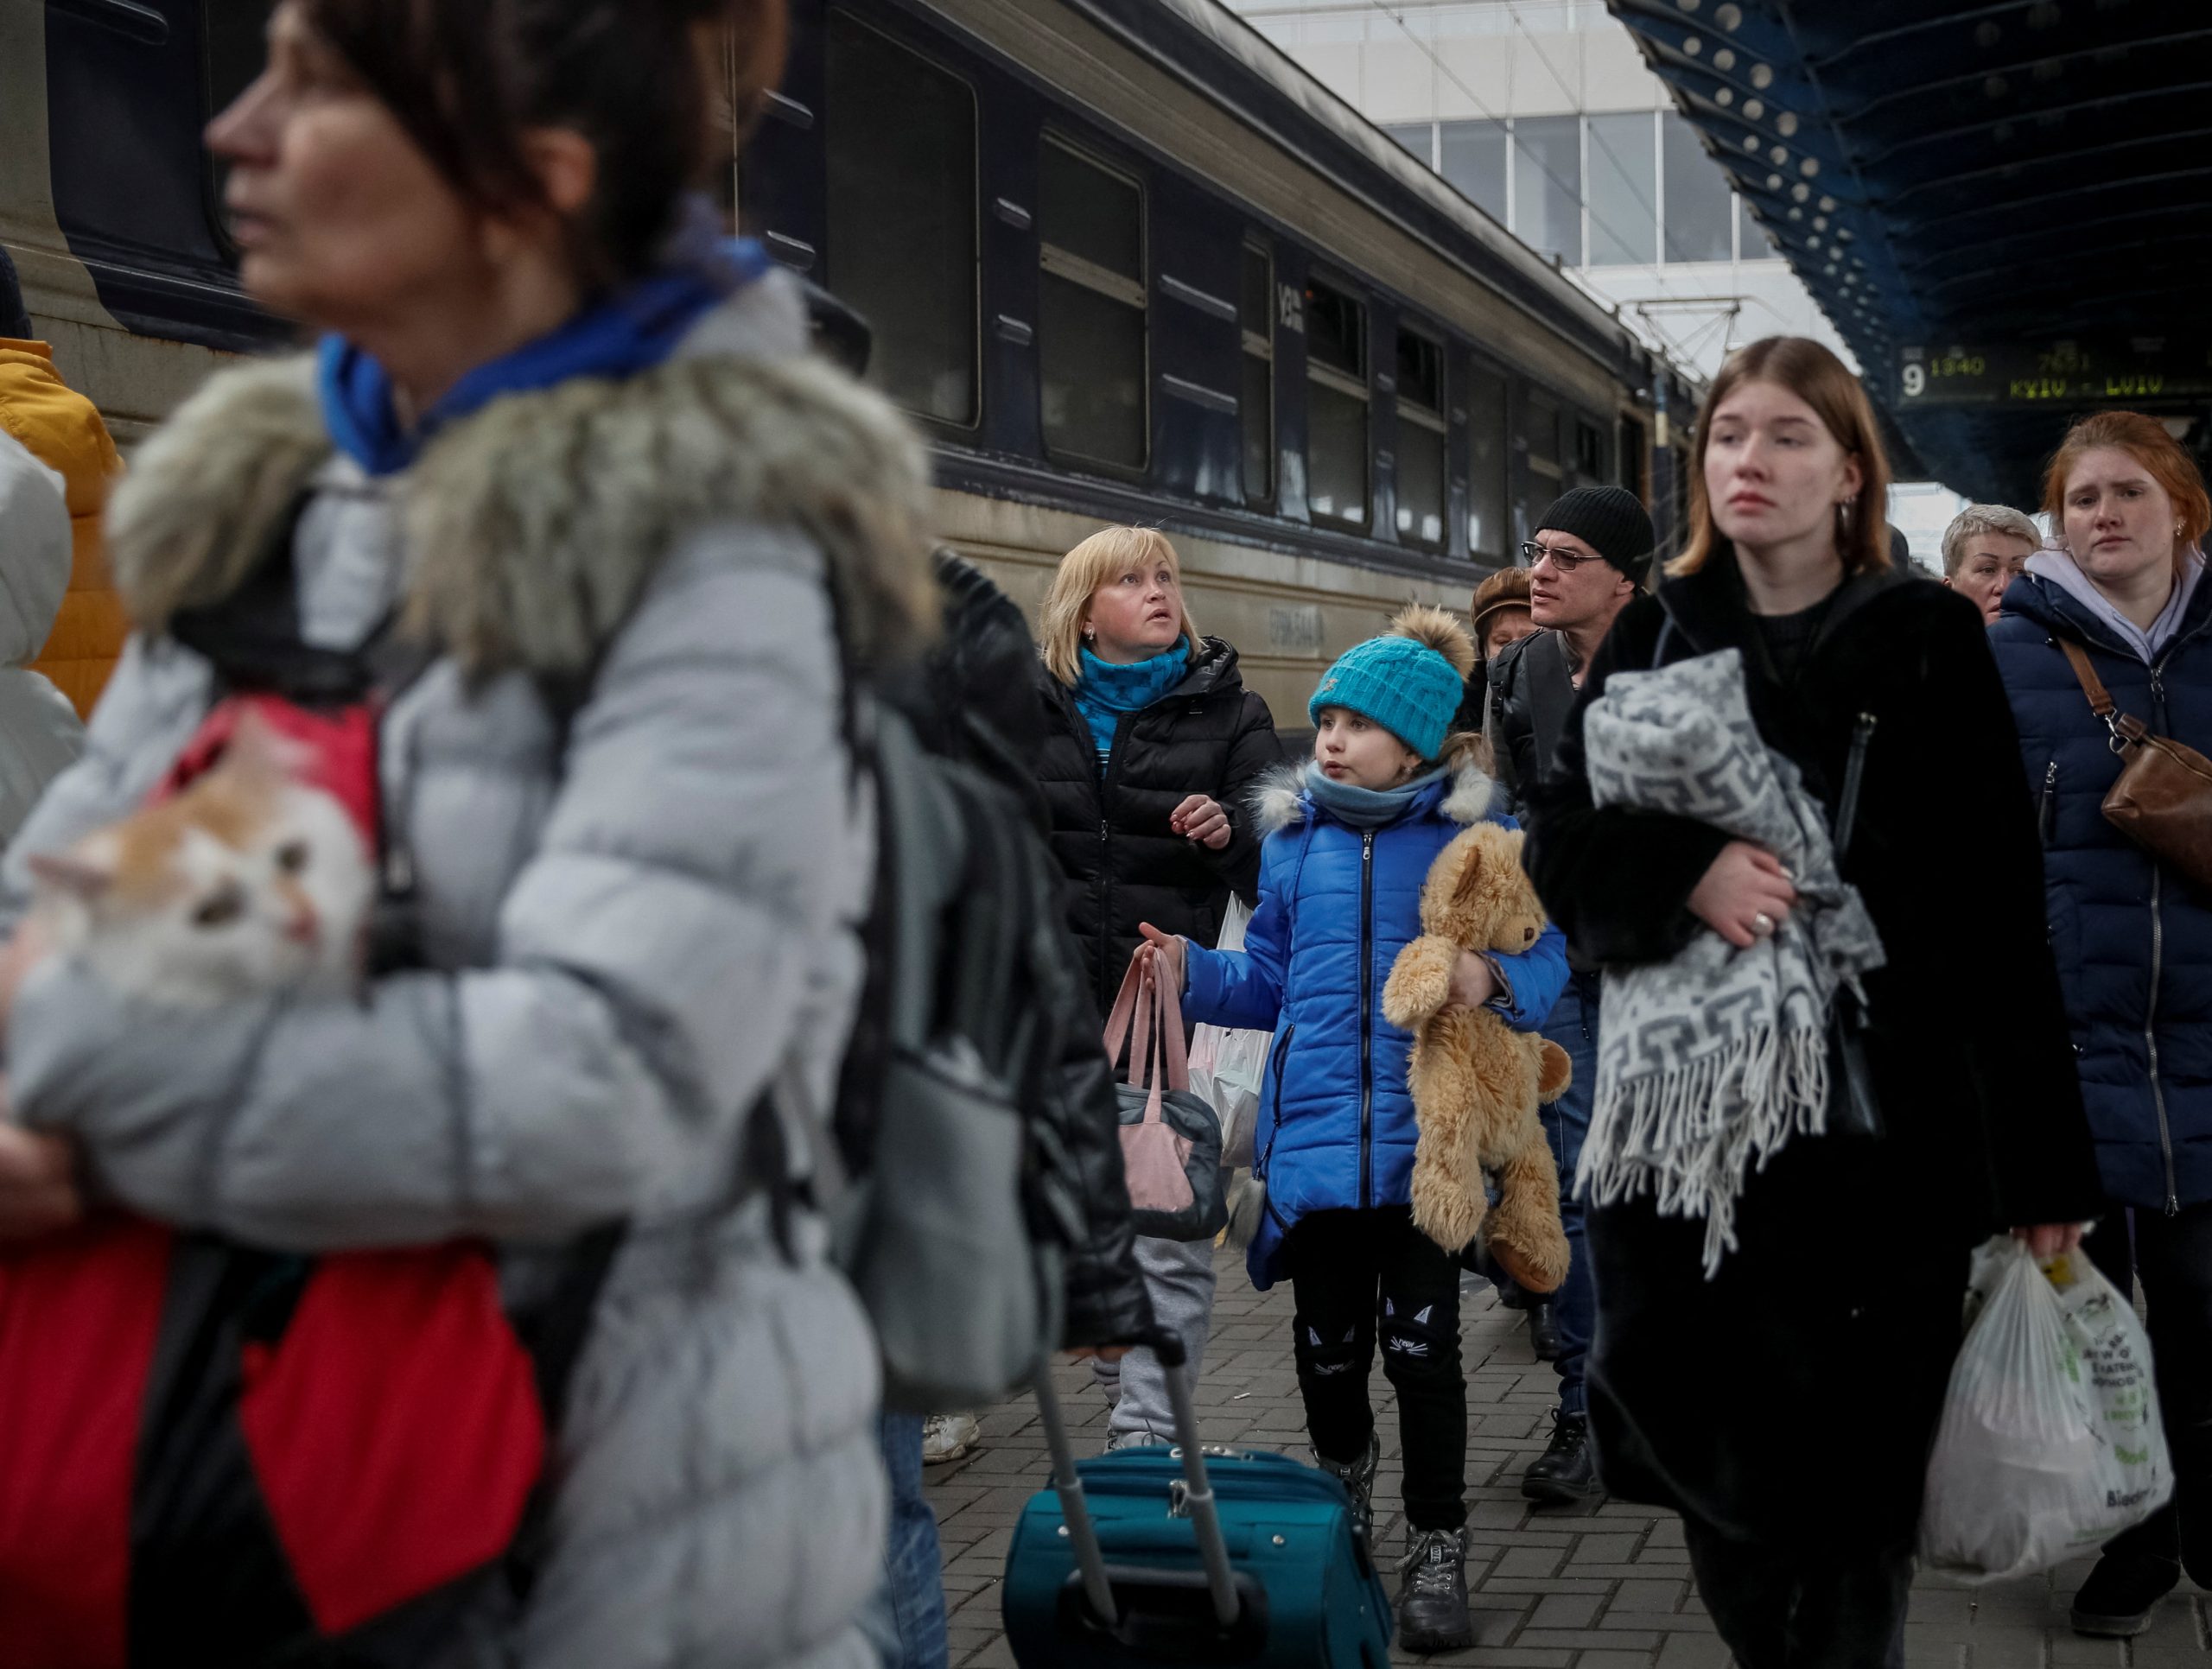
x,y
1543,1329
2117,1601
1433,1598
1564,1472
1358,1480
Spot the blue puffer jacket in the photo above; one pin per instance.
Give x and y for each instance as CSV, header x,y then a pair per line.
x,y
2134,948
1337,905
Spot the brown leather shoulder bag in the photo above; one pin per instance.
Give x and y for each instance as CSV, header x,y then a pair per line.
x,y
2163,800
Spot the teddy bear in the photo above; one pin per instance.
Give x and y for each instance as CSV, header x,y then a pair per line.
x,y
1477,1083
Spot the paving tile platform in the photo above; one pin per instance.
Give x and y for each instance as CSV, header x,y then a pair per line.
x,y
1602,1585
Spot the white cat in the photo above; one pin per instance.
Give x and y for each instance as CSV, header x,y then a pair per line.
x,y
246,882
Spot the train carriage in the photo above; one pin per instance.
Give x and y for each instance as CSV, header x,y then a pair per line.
x,y
1121,259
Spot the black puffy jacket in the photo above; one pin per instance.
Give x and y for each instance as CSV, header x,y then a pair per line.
x,y
1208,735
975,705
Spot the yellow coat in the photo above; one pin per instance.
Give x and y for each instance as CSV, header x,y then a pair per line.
x,y
64,431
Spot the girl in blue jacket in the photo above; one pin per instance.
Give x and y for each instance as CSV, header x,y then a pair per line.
x,y
1349,844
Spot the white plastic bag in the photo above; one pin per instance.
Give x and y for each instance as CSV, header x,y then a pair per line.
x,y
1227,1065
2050,1442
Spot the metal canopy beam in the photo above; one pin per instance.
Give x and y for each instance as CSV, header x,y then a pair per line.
x,y
1973,182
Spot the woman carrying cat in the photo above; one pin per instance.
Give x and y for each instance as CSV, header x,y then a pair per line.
x,y
570,441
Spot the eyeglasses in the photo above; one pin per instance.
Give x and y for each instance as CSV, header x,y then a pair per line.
x,y
1558,557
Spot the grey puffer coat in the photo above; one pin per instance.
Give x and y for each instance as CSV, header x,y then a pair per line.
x,y
629,938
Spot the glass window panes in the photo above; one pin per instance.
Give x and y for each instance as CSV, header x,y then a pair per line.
x,y
1589,453
1092,214
1336,457
1335,331
1256,294
1539,428
1623,190
1090,369
1421,481
1547,184
1091,309
1420,371
1415,137
1255,396
1751,241
1474,164
901,222
1337,446
1486,464
1697,194
1421,438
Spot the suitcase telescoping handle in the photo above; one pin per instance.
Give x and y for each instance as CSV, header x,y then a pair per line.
x,y
1198,1493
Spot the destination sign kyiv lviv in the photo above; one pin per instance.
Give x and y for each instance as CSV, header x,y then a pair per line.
x,y
2070,373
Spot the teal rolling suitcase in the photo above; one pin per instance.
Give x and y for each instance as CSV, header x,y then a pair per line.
x,y
1180,1555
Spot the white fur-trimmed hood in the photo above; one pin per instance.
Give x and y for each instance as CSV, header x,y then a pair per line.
x,y
533,524
1279,799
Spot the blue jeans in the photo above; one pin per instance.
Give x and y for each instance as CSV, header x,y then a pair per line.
x,y
905,1620
1574,1027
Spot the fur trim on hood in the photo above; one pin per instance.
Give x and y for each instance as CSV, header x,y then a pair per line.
x,y
1278,798
532,525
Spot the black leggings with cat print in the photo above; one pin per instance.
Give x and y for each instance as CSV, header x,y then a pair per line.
x,y
1358,1275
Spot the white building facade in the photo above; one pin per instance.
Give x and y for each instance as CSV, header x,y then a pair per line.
x,y
1543,114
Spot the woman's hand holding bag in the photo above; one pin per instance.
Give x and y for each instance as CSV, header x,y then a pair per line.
x,y
1171,1141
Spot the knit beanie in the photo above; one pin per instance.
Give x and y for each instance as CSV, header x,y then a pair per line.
x,y
1410,681
1612,521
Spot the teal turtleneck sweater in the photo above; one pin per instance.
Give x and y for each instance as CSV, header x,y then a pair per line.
x,y
1104,691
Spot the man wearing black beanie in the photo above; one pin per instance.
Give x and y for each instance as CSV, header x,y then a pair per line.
x,y
1591,554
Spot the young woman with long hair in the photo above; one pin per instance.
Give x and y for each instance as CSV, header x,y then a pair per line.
x,y
1805,1212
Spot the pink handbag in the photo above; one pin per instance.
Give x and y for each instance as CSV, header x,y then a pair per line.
x,y
1171,1139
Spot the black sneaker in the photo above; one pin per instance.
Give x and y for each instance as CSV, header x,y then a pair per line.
x,y
1433,1598
1564,1472
1358,1480
1543,1329
2117,1601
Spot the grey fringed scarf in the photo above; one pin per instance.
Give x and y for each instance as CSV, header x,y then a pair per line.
x,y
1708,1063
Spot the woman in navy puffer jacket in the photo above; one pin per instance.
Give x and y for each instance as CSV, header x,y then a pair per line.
x,y
2133,941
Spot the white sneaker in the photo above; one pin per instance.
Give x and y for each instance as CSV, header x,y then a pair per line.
x,y
946,1437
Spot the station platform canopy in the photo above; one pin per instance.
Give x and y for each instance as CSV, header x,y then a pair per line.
x,y
2005,209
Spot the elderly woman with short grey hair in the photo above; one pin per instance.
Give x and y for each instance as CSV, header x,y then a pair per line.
x,y
1985,547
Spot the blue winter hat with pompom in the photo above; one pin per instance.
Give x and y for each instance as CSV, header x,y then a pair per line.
x,y
1410,681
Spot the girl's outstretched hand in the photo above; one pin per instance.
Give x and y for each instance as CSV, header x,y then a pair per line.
x,y
1167,950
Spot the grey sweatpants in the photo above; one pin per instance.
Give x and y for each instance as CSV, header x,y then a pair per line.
x,y
1179,1276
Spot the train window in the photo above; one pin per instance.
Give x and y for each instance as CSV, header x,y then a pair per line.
x,y
1091,323
1337,450
1589,453
1486,464
1421,438
233,46
1256,403
1540,429
1633,461
902,224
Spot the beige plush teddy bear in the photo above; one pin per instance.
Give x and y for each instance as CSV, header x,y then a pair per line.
x,y
1477,1083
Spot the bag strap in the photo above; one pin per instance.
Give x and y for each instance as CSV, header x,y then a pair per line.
x,y
1123,1012
2127,729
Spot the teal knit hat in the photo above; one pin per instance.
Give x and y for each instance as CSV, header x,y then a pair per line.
x,y
1410,681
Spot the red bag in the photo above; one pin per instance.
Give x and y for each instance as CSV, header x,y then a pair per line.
x,y
211,1454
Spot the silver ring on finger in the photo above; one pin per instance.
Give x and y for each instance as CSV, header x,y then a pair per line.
x,y
1763,925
